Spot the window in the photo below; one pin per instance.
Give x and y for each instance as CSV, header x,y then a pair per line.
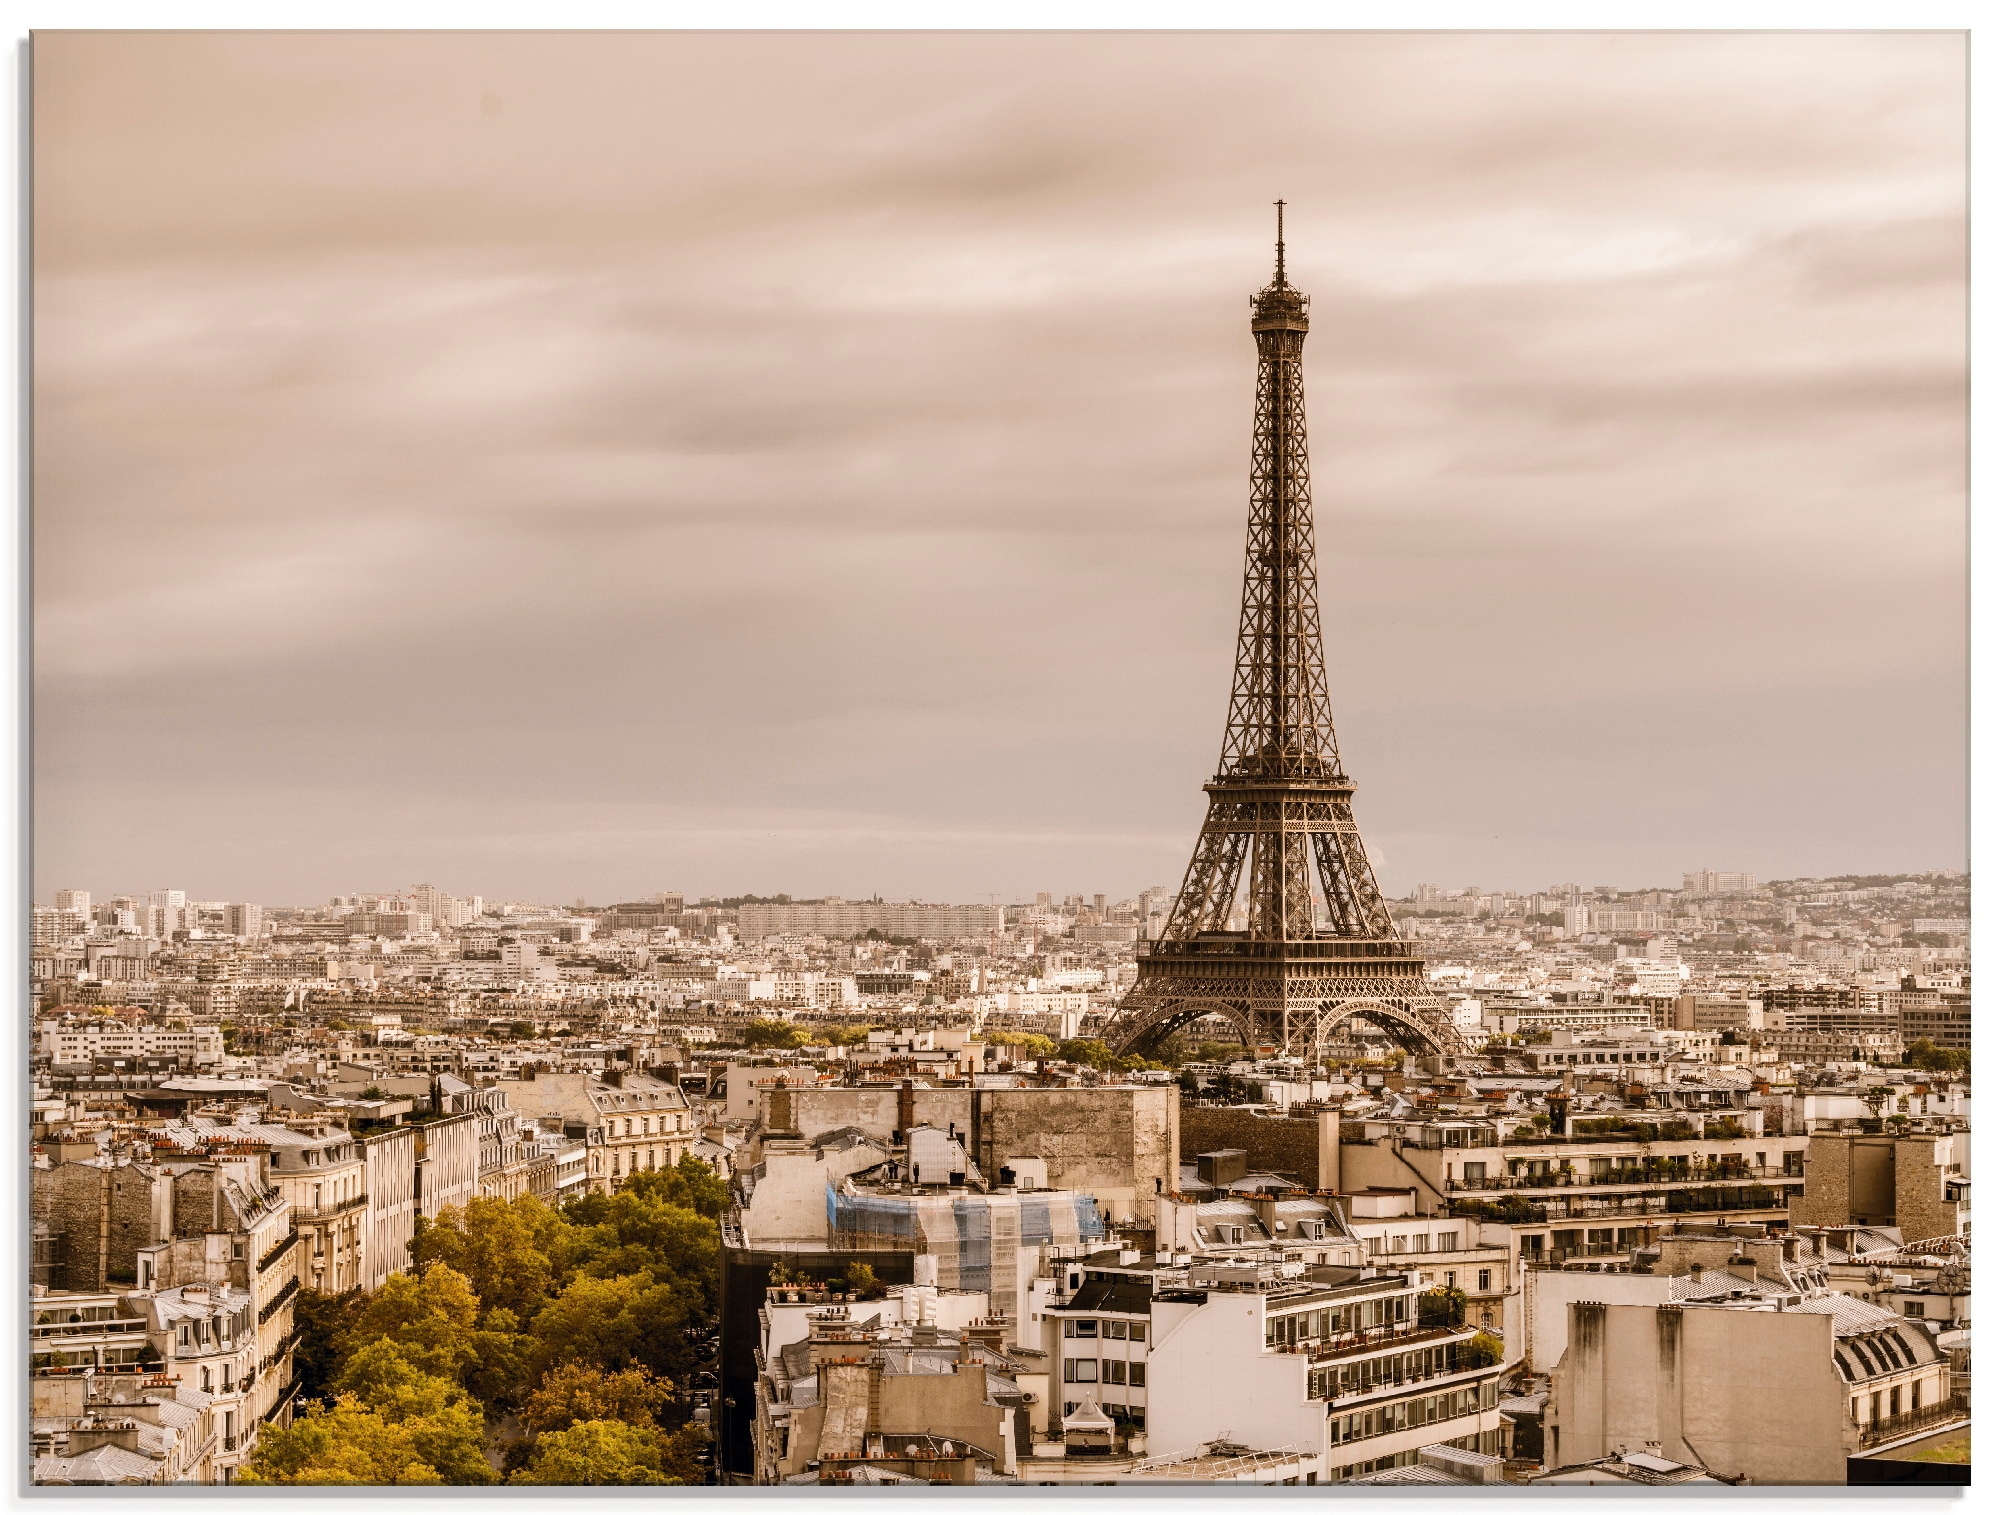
x,y
1138,1333
1079,1328
1115,1330
1475,1173
1447,1241
1485,1279
1399,1244
1451,1280
1136,1373
1114,1370
1080,1370
1913,1307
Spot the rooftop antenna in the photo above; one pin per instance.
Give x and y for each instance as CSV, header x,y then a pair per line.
x,y
1281,243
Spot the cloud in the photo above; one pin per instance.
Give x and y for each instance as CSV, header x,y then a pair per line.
x,y
856,426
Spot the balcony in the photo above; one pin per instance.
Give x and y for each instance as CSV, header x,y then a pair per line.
x,y
291,1240
327,1212
1627,1178
1910,1422
1702,1199
1372,1339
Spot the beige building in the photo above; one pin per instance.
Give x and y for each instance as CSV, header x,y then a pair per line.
x,y
1763,1392
631,1122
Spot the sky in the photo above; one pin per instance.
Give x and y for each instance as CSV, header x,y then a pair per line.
x,y
582,465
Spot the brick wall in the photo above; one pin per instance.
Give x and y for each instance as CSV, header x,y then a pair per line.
x,y
1288,1145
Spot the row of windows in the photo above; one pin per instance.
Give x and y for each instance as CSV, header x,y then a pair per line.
x,y
1336,1320
1111,1330
1426,1411
1110,1370
1419,1241
1880,1408
1372,1372
1886,1353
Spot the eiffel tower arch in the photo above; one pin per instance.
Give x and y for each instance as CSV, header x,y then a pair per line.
x,y
1280,928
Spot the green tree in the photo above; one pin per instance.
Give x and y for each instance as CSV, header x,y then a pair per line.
x,y
1483,1350
323,1322
596,1453
501,1248
690,1184
861,1281
1087,1050
1441,1307
432,1319
349,1442
502,1365
575,1391
607,1322
780,1035
845,1036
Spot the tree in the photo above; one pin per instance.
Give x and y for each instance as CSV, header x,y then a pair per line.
x,y
501,1247
690,1184
322,1322
845,1036
861,1281
781,1035
1483,1350
1087,1050
443,1422
595,1453
348,1442
600,1322
432,1319
574,1392
1441,1307
1926,1054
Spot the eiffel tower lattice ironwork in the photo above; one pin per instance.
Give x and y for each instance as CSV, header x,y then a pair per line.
x,y
1280,927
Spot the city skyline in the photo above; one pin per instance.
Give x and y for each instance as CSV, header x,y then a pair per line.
x,y
534,507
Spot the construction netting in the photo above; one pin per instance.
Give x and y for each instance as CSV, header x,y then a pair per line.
x,y
977,1239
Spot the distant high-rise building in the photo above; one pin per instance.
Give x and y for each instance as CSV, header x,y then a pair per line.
x,y
74,899
1707,881
51,927
166,913
246,920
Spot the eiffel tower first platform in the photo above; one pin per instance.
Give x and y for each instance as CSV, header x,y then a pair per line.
x,y
1280,927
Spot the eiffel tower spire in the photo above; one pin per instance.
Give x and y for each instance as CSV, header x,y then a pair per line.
x,y
1280,926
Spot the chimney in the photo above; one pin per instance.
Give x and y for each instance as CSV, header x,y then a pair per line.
x,y
906,1108
614,1078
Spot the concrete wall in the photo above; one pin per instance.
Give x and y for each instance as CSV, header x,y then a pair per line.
x,y
1744,1393
389,1168
1208,1377
1119,1144
448,1167
789,1202
1548,1293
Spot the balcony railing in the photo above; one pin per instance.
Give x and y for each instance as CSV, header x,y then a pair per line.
x,y
326,1212
1894,1427
291,1240
1702,1199
1369,1339
291,1287
1630,1178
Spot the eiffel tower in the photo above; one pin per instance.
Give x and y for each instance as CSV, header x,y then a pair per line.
x,y
1280,928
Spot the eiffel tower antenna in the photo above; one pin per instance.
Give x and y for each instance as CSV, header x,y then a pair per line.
x,y
1280,928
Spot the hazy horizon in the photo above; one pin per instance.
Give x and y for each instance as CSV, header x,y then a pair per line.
x,y
563,464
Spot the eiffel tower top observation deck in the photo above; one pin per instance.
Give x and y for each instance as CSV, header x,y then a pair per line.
x,y
1280,927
